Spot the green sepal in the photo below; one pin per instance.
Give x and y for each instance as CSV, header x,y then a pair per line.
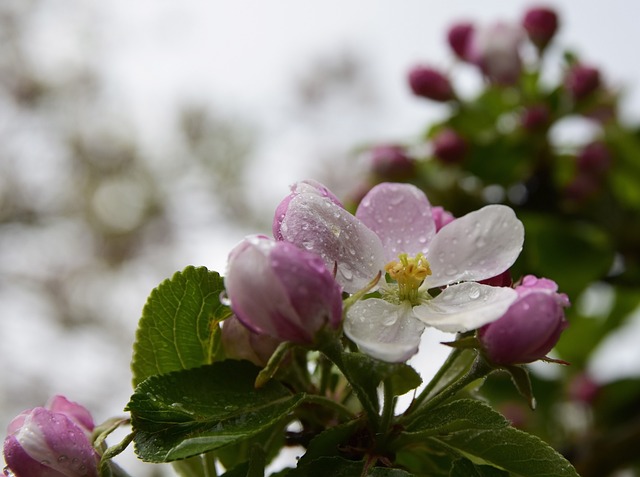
x,y
185,413
520,377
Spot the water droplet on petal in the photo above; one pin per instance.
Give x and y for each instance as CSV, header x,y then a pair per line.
x,y
390,320
474,294
396,199
451,271
62,459
422,239
480,242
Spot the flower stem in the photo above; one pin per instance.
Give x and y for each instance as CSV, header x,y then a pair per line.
x,y
479,369
387,409
431,385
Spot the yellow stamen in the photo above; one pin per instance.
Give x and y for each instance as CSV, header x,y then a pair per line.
x,y
409,273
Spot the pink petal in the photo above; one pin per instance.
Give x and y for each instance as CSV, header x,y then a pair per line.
x,y
314,222
480,245
400,214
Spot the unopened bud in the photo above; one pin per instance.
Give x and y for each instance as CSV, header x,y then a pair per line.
x,y
430,83
449,147
531,326
391,163
459,37
541,25
581,81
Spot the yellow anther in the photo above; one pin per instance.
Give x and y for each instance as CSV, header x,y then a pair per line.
x,y
409,273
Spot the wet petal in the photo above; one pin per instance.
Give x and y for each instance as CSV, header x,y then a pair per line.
x,y
465,307
480,245
384,330
316,223
400,214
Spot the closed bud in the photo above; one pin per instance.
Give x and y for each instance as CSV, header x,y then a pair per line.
x,y
541,25
581,81
459,37
430,83
536,118
531,326
391,163
239,342
594,159
449,147
282,291
441,217
51,441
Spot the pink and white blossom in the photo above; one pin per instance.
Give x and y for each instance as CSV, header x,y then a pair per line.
x,y
436,271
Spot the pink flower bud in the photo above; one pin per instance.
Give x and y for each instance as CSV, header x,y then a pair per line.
x,y
536,118
459,37
441,217
583,388
239,342
51,441
541,25
496,50
531,326
430,83
280,290
449,147
594,159
581,81
391,163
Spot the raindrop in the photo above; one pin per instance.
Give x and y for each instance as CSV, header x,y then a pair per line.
x,y
451,271
7,471
480,242
45,462
422,239
62,459
224,299
352,251
474,294
308,244
396,199
345,271
390,320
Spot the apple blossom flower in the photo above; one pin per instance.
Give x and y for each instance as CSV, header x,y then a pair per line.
x,y
433,273
51,441
280,290
531,326
496,50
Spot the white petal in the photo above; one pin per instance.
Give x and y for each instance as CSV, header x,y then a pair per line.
x,y
314,222
466,306
401,216
383,330
480,245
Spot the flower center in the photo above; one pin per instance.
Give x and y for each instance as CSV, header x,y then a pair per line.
x,y
409,273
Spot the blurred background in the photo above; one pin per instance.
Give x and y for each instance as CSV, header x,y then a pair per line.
x,y
137,138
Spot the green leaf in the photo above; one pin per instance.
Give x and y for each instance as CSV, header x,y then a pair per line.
x,y
185,413
474,430
572,253
178,329
339,467
328,442
466,468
